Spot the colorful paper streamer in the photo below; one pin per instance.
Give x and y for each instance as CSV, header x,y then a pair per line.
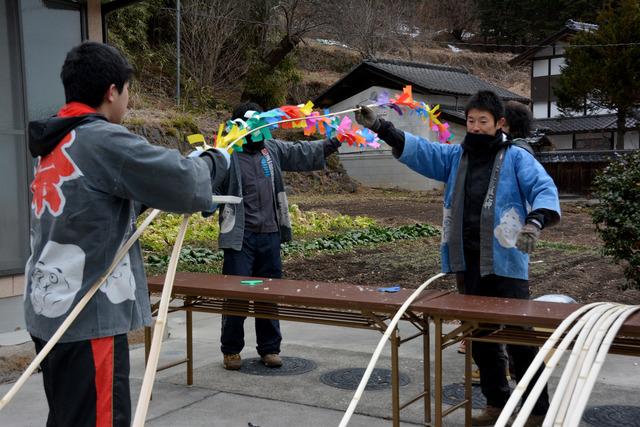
x,y
232,135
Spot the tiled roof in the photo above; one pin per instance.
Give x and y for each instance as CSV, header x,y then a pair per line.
x,y
424,78
441,79
579,156
565,125
570,27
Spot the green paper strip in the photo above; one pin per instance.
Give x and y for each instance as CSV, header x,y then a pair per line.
x,y
250,282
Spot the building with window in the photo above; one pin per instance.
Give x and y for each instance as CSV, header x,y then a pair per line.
x,y
594,131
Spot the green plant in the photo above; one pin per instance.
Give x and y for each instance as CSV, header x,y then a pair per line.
x,y
617,217
208,260
310,223
159,237
269,87
368,236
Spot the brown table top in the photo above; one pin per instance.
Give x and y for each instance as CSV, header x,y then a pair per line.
x,y
293,292
507,311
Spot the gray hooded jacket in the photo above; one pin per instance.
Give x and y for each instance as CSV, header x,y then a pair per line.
x,y
283,156
85,194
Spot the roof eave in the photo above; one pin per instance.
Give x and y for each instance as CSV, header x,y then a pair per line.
x,y
527,54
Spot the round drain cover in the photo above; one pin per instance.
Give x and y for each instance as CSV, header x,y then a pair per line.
x,y
613,416
452,394
290,366
348,379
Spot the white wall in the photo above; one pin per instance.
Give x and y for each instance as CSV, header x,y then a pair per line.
x,y
562,142
377,167
540,110
540,67
632,140
556,65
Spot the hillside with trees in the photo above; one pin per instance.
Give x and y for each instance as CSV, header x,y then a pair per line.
x,y
277,51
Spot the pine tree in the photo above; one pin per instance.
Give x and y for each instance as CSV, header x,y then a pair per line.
x,y
603,66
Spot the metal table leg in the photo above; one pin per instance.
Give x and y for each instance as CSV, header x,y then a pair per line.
x,y
467,383
426,371
438,373
189,326
395,377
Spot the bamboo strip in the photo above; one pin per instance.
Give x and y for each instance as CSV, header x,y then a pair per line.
x,y
544,351
158,331
551,364
576,411
573,371
376,354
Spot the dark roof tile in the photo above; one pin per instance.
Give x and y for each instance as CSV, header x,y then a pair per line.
x,y
596,123
442,79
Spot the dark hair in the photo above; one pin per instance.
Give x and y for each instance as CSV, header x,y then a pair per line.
x,y
486,100
240,109
518,118
88,71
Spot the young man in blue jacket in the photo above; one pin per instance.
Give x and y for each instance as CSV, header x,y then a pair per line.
x,y
497,200
91,175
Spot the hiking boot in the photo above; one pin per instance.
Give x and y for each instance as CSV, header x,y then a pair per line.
x,y
271,360
487,417
232,362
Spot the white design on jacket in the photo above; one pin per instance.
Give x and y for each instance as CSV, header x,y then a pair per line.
x,y
446,224
507,231
228,219
120,285
56,279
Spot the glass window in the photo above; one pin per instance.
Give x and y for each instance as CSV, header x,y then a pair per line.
x,y
14,212
48,34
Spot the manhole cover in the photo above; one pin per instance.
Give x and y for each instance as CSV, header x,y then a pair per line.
x,y
290,366
613,416
348,379
452,394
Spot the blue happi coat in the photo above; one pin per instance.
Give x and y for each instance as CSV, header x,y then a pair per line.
x,y
519,185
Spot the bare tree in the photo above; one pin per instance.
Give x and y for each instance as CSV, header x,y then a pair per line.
x,y
371,26
211,42
456,17
286,21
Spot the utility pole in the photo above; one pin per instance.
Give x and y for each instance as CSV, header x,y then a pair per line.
x,y
177,52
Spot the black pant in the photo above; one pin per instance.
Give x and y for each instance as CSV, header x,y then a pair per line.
x,y
490,357
259,257
87,382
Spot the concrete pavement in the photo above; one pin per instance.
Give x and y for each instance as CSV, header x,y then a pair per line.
x,y
224,398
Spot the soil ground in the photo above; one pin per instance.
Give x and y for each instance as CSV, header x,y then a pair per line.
x,y
569,260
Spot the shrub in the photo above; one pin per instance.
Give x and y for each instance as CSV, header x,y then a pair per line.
x,y
617,217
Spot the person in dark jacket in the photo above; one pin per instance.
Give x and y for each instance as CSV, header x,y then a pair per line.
x,y
497,200
251,233
91,176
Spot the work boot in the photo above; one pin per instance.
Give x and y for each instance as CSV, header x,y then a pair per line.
x,y
271,360
487,417
232,362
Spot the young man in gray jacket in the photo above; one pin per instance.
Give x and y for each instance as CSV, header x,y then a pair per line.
x,y
251,232
91,176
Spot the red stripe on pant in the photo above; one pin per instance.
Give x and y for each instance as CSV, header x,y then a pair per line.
x,y
103,361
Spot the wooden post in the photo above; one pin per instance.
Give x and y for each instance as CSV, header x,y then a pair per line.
x,y
94,20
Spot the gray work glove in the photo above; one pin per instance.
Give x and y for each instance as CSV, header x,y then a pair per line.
x,y
527,238
367,118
